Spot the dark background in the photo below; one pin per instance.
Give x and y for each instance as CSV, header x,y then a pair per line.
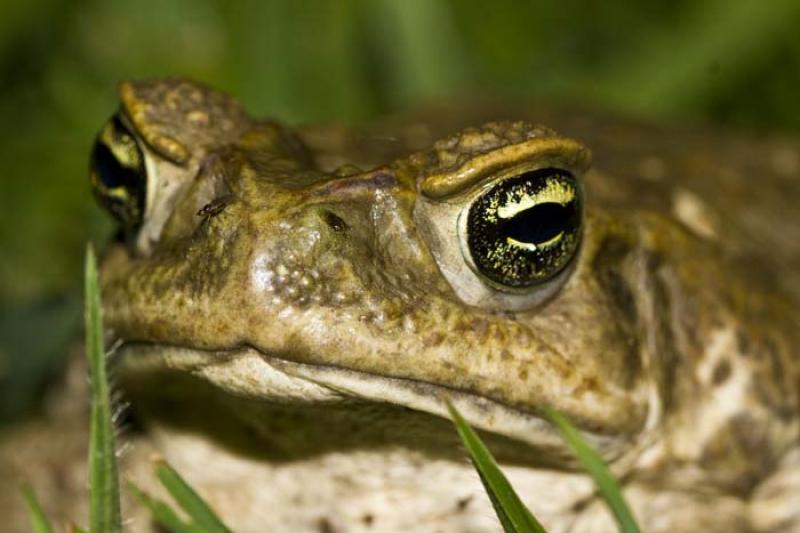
x,y
735,63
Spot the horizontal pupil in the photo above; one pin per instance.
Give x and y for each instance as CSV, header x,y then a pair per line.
x,y
540,223
110,171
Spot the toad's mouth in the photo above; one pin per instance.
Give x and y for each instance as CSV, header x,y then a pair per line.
x,y
250,373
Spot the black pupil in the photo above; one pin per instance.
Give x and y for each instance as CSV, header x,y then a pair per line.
x,y
109,170
540,223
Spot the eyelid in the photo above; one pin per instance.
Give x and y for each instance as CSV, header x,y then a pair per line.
x,y
538,152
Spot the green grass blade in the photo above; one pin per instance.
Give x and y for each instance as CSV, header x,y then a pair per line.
x,y
592,462
513,515
162,512
197,509
104,507
39,520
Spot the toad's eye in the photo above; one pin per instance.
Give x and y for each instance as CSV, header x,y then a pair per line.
x,y
118,176
526,229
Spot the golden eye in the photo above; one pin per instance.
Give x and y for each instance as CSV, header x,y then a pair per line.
x,y
118,176
526,229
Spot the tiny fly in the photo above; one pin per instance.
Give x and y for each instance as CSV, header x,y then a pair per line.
x,y
215,206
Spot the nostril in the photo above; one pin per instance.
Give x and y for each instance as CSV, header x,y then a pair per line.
x,y
334,221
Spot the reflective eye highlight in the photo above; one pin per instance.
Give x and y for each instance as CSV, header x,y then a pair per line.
x,y
526,229
117,174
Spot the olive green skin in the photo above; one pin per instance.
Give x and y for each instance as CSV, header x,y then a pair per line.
x,y
318,255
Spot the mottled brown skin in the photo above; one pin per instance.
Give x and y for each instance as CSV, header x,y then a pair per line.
x,y
673,342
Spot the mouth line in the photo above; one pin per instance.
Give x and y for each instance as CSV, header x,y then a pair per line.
x,y
249,372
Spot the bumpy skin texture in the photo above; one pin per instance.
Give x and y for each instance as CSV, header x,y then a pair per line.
x,y
289,348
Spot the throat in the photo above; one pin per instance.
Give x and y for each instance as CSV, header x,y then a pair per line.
x,y
387,488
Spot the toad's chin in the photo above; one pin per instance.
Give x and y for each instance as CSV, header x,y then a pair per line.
x,y
250,373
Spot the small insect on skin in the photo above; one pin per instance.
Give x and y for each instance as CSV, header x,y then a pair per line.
x,y
215,207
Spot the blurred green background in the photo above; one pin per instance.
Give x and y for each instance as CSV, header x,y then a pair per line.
x,y
731,62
